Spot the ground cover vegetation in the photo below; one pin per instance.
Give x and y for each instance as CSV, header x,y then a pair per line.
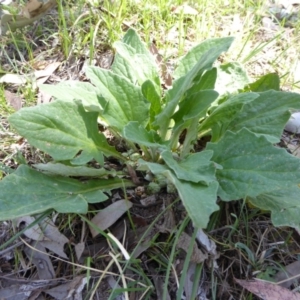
x,y
158,157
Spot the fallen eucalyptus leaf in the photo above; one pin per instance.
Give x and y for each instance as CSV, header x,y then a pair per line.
x,y
31,12
267,290
291,270
71,290
41,260
35,232
109,215
184,243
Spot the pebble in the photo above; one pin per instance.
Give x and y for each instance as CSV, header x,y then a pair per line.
x,y
293,125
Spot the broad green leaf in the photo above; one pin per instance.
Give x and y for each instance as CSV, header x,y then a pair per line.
x,y
191,109
150,93
206,82
284,206
128,63
62,129
132,39
137,134
182,84
199,200
267,114
125,101
75,171
223,114
196,167
252,165
194,106
27,192
265,83
231,78
195,54
74,90
130,56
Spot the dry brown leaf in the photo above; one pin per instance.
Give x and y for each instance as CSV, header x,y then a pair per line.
x,y
291,270
14,288
13,100
202,290
267,290
186,10
46,233
43,97
55,247
43,75
108,216
209,245
55,240
41,260
79,248
159,285
52,233
32,11
150,200
35,232
295,149
15,79
114,285
184,242
30,6
71,290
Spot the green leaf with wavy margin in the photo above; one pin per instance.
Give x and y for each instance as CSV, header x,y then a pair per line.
x,y
195,54
75,171
62,129
284,205
198,199
196,167
27,192
252,166
267,114
124,100
184,83
74,90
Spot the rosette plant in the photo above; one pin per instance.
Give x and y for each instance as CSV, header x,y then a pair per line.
x,y
237,123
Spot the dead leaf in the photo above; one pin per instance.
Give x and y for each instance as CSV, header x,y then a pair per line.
x,y
79,248
15,79
71,290
267,290
52,233
295,149
12,288
291,270
189,284
32,11
150,200
159,285
169,218
186,10
43,97
108,216
43,75
209,245
114,285
184,242
35,232
41,260
55,247
33,5
13,100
